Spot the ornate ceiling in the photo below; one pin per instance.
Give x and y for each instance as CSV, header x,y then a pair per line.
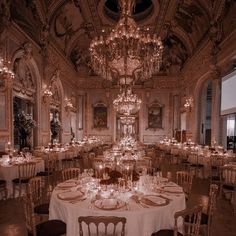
x,y
71,24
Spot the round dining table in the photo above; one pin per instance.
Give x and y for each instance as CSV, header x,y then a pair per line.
x,y
147,207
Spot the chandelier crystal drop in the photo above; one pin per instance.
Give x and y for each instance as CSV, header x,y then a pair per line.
x,y
127,103
126,52
4,69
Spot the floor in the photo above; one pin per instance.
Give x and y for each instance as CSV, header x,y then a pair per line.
x,y
224,221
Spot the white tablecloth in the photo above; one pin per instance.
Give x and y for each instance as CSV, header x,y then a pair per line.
x,y
140,221
10,172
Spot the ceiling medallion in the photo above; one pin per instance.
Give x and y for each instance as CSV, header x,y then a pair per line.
x,y
127,51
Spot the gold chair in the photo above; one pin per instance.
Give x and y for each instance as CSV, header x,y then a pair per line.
x,y
215,169
38,194
3,187
25,172
46,228
52,169
70,173
68,161
191,223
206,219
104,221
185,179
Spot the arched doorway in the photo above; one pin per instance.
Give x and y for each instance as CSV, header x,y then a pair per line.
x,y
26,87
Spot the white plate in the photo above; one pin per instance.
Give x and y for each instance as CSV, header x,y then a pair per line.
x,y
173,189
66,185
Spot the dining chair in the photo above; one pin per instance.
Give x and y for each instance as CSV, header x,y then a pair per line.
x,y
3,187
93,222
206,219
191,223
70,173
185,179
215,174
228,179
68,161
52,169
25,172
46,228
38,195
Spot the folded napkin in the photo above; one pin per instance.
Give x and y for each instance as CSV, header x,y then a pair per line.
x,y
173,189
153,200
70,195
66,185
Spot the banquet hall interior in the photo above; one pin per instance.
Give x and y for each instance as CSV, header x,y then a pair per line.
x,y
118,116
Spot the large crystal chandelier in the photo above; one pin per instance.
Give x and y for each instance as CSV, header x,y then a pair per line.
x,y
127,52
127,102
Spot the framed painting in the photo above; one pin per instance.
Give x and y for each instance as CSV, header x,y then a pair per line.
x,y
100,116
155,116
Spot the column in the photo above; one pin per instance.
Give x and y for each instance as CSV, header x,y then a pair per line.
x,y
215,112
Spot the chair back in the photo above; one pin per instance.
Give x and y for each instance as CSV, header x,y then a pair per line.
x,y
191,221
107,225
70,173
29,215
52,163
35,190
26,170
212,201
185,179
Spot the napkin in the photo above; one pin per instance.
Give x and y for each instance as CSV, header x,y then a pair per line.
x,y
70,195
153,200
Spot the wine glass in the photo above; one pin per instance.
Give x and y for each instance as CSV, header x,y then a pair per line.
x,y
90,172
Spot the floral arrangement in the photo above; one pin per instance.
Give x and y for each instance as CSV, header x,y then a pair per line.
x,y
24,123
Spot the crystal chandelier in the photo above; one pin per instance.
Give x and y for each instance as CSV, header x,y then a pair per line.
x,y
127,103
5,72
127,52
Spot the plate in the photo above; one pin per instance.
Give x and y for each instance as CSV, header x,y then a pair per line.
x,y
154,200
173,189
70,195
109,204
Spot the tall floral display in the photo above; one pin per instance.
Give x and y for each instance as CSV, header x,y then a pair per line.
x,y
24,123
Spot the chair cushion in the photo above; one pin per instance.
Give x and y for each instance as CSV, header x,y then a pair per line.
x,y
228,187
23,181
67,159
51,228
43,173
204,219
42,209
216,178
166,232
2,182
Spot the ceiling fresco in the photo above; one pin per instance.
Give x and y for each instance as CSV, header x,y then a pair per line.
x,y
182,25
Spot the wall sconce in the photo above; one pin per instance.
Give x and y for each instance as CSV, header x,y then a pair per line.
x,y
5,72
188,103
47,94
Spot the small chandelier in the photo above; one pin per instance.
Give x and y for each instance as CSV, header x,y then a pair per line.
x,y
188,103
5,72
47,92
126,52
127,103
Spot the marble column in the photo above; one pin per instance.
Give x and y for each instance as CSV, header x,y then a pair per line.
x,y
215,112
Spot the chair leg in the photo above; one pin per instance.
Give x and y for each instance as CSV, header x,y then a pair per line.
x,y
14,190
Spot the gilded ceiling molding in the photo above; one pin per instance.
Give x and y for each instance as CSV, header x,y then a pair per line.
x,y
184,37
53,8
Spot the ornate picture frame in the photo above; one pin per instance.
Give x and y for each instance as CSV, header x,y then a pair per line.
x,y
100,116
155,116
